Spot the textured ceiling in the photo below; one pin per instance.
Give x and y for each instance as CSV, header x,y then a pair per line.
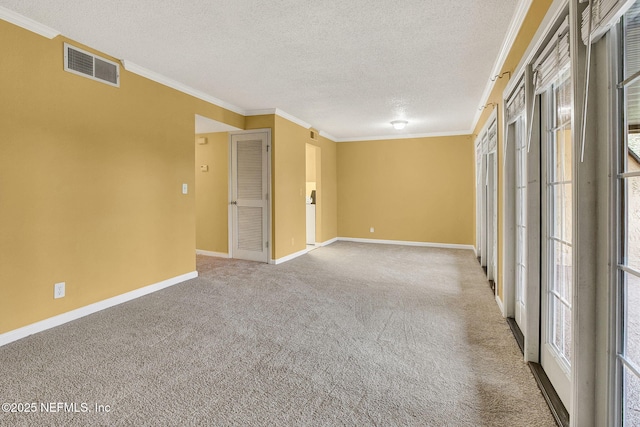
x,y
346,67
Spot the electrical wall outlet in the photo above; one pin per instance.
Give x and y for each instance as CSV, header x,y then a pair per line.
x,y
371,230
58,290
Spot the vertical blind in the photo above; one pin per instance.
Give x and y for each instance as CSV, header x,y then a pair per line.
x,y
553,60
603,14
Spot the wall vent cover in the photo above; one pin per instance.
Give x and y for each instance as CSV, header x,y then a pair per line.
x,y
83,63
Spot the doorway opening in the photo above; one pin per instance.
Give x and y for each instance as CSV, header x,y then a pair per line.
x,y
212,186
313,195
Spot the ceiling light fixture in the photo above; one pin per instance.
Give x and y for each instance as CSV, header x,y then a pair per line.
x,y
399,124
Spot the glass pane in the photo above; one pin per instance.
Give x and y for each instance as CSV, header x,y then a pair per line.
x,y
632,118
567,333
562,270
563,101
632,319
631,411
562,158
561,329
561,227
558,322
632,189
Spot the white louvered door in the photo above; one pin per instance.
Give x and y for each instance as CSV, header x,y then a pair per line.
x,y
250,195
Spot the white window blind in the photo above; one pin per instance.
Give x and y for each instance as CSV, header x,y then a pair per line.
x,y
553,60
515,104
493,137
605,14
632,67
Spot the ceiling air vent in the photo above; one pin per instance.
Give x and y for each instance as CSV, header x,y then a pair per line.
x,y
83,63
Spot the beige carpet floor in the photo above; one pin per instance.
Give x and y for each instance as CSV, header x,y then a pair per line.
x,y
350,334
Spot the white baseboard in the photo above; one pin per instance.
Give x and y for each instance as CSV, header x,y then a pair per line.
x,y
214,254
500,305
60,319
289,257
327,243
406,243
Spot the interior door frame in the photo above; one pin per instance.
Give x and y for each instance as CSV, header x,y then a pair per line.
x,y
230,226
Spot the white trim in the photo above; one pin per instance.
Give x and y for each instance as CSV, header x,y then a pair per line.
x,y
404,136
289,257
213,254
514,27
499,302
166,81
328,136
69,316
278,112
261,112
291,118
27,23
406,243
327,243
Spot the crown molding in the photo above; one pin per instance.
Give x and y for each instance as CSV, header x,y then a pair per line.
x,y
514,27
281,113
27,23
405,136
328,136
261,112
166,81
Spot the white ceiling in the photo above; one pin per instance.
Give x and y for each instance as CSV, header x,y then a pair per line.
x,y
345,67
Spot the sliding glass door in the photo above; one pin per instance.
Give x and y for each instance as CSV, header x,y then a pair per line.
x,y
521,222
628,275
557,289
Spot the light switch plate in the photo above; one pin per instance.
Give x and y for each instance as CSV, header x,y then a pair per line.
x,y
185,189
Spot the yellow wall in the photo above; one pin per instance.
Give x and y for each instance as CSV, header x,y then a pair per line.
x,y
289,158
212,193
419,189
90,178
311,163
532,21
